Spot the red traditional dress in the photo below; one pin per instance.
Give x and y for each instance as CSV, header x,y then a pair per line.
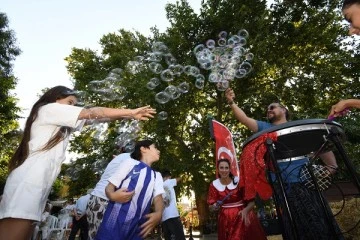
x,y
230,224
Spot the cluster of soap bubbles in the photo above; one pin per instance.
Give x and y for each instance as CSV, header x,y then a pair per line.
x,y
226,58
128,131
167,70
99,165
109,89
99,129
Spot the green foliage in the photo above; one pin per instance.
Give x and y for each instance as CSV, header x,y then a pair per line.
x,y
302,58
9,136
55,190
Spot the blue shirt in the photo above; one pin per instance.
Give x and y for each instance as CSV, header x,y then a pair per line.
x,y
81,204
290,170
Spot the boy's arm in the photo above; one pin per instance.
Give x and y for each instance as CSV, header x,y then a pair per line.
x,y
121,195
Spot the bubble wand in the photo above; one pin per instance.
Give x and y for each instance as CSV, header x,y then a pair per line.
x,y
221,202
340,114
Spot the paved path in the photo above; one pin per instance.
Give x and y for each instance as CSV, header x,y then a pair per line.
x,y
213,236
195,236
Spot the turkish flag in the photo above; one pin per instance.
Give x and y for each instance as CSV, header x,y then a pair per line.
x,y
224,146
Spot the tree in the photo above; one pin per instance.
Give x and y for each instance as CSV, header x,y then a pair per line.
x,y
9,135
301,59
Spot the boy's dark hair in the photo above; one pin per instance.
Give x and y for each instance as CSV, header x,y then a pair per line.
x,y
137,153
166,173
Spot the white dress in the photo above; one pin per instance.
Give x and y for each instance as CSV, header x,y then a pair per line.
x,y
28,186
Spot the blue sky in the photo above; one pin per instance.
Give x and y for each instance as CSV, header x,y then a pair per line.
x,y
46,30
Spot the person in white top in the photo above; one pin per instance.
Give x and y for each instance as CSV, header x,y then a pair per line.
x,y
37,161
79,219
69,206
171,222
98,201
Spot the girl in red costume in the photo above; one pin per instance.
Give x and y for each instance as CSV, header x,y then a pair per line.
x,y
236,219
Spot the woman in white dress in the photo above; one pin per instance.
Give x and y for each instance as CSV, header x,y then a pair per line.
x,y
37,161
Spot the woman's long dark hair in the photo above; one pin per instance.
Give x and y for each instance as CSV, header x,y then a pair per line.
x,y
50,96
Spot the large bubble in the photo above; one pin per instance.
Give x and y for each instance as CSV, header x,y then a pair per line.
x,y
162,97
162,115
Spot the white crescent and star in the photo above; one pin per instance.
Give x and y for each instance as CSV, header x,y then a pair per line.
x,y
225,150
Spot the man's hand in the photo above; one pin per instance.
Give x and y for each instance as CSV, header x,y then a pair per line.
x,y
230,95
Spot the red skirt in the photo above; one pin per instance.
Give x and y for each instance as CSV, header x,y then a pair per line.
x,y
232,227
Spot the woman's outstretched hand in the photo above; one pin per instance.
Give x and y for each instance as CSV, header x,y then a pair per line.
x,y
338,109
143,113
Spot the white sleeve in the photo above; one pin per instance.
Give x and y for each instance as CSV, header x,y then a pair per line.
x,y
122,171
60,115
172,182
159,185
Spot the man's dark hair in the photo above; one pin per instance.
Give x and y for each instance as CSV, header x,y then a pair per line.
x,y
166,173
287,114
137,152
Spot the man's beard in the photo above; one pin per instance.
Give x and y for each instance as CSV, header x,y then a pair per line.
x,y
273,118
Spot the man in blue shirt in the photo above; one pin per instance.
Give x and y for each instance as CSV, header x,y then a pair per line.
x,y
276,114
306,209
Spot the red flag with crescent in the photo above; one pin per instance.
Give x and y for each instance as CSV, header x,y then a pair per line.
x,y
224,146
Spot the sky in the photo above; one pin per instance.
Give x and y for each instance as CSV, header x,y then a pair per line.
x,y
47,30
